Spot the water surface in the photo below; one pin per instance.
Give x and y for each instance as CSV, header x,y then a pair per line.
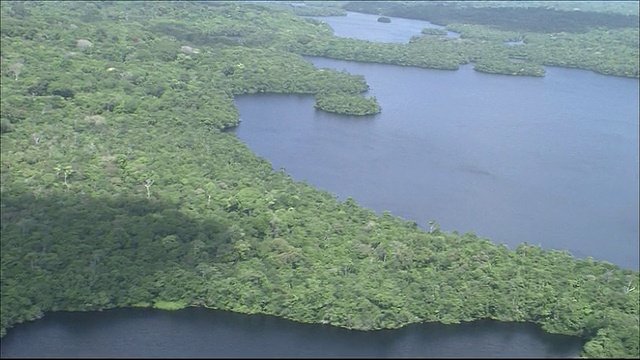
x,y
550,161
367,27
202,333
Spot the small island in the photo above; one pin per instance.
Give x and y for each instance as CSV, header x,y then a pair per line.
x,y
384,19
348,104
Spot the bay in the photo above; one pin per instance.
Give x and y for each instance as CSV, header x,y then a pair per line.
x,y
550,161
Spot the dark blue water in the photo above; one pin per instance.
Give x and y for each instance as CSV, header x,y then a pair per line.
x,y
550,161
367,27
201,333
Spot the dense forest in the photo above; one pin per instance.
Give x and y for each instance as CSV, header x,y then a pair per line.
x,y
532,19
603,42
604,6
120,186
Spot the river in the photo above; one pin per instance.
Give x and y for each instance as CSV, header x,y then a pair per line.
x,y
367,27
202,333
550,161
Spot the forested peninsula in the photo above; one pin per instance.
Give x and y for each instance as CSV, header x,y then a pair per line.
x,y
604,42
120,186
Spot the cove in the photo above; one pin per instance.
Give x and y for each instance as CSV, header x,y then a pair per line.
x,y
193,333
550,161
366,27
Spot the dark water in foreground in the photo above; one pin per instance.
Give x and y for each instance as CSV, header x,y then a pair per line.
x,y
206,333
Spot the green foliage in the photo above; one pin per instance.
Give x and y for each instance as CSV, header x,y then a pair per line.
x,y
315,8
608,6
5,126
129,192
507,16
611,52
169,305
605,43
347,104
433,31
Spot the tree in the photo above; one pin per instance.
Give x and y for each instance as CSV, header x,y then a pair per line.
x,y
16,68
66,172
434,227
147,184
